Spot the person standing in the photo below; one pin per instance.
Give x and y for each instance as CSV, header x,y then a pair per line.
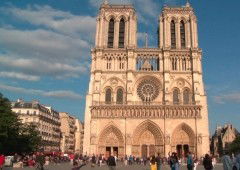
x,y
207,162
111,162
153,163
2,161
40,161
159,162
227,162
189,162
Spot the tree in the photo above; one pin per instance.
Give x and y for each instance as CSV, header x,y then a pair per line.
x,y
234,147
15,137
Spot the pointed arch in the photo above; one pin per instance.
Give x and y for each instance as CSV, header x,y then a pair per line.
x,y
111,33
186,96
121,33
182,34
150,126
113,132
176,96
173,34
108,95
183,134
119,98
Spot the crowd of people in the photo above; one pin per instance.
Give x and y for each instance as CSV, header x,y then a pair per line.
x,y
39,160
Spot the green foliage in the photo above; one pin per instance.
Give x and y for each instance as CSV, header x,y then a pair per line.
x,y
16,137
234,147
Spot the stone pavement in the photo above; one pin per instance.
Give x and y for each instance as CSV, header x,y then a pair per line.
x,y
67,166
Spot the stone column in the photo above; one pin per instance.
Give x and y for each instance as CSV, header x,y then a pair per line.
x,y
116,34
178,36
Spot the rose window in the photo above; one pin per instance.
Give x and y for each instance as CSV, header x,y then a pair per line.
x,y
148,90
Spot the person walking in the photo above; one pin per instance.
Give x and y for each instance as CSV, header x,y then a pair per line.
x,y
153,163
227,162
159,162
111,162
2,161
40,161
207,162
189,162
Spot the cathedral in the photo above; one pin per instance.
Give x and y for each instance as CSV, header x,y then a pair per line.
x,y
145,101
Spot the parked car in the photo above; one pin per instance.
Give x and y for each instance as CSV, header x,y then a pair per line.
x,y
8,161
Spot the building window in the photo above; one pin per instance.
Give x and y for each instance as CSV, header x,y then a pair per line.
x,y
109,63
176,96
182,33
119,96
173,34
111,33
186,96
108,96
174,63
121,33
184,64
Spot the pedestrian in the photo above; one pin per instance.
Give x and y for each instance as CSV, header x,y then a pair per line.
x,y
40,161
2,161
159,162
111,162
93,161
172,162
207,162
227,162
153,163
126,160
195,164
189,162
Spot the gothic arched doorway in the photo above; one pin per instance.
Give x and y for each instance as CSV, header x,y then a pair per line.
x,y
183,140
111,141
147,140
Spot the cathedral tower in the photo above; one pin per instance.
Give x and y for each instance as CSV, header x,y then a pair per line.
x,y
144,101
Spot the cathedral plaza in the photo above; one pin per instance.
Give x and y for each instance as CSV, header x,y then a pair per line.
x,y
146,101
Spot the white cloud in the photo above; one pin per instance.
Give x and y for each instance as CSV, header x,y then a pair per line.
x,y
59,46
19,76
231,97
57,20
65,94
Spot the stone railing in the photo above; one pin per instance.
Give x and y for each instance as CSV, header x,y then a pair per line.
x,y
146,111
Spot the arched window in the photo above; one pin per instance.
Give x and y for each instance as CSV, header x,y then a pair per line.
x,y
173,34
175,96
121,33
186,96
119,96
182,33
108,96
111,33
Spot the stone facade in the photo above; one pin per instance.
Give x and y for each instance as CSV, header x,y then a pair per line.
x,y
68,130
45,118
222,137
144,101
79,134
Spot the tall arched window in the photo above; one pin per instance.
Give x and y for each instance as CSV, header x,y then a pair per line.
x,y
108,96
182,33
119,96
176,96
121,33
186,96
111,33
173,34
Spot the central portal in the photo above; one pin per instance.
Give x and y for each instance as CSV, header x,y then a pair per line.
x,y
148,150
111,150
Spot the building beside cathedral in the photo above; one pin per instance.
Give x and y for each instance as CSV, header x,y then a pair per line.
x,y
144,101
221,139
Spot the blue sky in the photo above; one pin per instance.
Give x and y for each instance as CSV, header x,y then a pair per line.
x,y
45,51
